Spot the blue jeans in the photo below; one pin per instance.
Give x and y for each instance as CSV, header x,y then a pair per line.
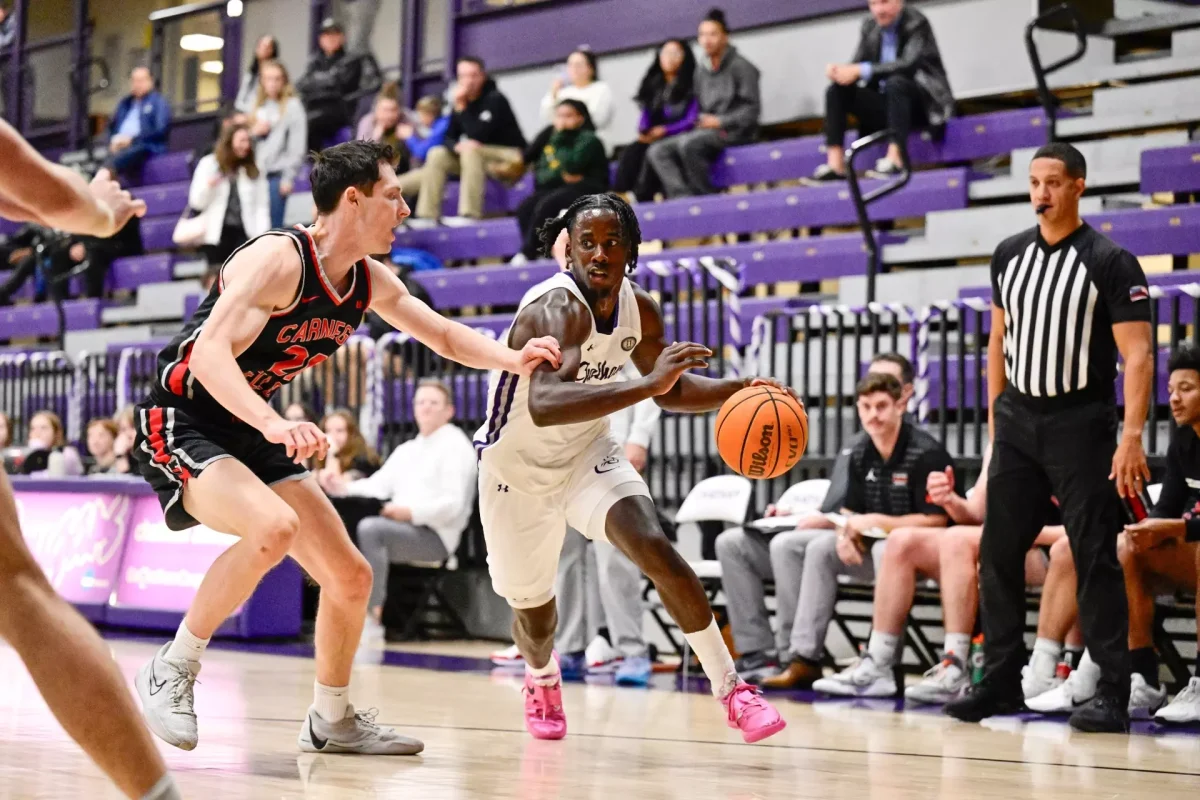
x,y
278,201
128,163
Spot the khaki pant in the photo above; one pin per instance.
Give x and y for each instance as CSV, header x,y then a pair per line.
x,y
474,167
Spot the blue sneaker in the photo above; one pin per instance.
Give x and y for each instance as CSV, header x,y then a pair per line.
x,y
634,672
572,666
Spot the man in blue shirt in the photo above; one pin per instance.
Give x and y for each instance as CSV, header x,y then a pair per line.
x,y
896,80
140,124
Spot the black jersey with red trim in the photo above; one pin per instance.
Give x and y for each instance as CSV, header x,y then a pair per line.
x,y
298,337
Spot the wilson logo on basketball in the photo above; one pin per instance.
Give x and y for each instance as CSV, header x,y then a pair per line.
x,y
758,459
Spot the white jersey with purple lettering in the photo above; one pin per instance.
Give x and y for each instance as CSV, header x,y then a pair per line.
x,y
535,460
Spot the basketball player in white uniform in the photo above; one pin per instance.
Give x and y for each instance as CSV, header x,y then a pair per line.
x,y
70,664
547,459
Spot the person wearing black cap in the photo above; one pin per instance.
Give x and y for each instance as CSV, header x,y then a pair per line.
x,y
1065,301
331,77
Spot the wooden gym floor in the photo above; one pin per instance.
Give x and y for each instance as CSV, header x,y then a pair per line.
x,y
625,744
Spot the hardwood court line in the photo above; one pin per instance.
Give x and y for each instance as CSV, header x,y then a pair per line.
x,y
798,748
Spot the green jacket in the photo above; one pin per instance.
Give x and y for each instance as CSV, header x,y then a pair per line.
x,y
577,152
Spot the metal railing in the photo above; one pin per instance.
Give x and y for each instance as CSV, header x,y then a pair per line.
x,y
861,201
1045,96
822,350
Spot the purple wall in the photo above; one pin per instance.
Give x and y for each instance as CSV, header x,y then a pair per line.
x,y
543,33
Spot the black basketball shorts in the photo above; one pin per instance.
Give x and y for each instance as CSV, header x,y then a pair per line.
x,y
172,447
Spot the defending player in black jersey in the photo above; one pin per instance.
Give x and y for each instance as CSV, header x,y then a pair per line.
x,y
218,454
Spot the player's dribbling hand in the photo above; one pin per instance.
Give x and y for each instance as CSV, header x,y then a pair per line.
x,y
673,361
775,384
108,193
303,440
535,351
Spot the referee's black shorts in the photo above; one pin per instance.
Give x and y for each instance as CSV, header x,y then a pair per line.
x,y
1066,453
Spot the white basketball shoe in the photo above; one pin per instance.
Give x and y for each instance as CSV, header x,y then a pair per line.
x,y
164,686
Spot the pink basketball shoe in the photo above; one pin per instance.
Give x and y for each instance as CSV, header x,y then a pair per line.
x,y
544,716
746,710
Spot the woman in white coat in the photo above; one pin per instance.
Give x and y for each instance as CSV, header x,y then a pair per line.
x,y
231,216
579,81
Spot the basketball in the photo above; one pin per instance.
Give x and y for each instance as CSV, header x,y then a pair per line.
x,y
761,432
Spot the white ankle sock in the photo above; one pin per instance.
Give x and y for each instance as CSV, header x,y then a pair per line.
x,y
186,645
1046,654
959,644
544,676
882,648
709,646
165,789
331,702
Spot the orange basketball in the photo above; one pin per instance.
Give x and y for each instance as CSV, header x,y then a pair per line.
x,y
761,432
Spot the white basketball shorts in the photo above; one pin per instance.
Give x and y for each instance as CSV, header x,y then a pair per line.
x,y
524,532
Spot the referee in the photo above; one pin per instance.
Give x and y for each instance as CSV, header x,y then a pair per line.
x,y
1065,299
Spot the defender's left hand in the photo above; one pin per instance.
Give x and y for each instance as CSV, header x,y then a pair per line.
x,y
535,351
1129,468
776,385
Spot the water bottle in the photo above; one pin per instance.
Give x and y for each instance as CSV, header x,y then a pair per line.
x,y
976,659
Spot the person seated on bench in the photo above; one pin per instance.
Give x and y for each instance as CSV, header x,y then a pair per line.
x,y
949,556
896,80
1160,555
749,557
889,470
427,491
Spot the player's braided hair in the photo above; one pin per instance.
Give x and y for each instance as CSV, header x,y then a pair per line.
x,y
607,201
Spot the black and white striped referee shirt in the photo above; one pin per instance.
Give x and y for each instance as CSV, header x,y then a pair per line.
x,y
1060,304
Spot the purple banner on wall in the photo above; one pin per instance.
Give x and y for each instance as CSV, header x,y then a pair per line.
x,y
162,568
78,538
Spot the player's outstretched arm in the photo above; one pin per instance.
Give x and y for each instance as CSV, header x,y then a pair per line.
x,y
688,392
34,190
261,278
450,339
554,396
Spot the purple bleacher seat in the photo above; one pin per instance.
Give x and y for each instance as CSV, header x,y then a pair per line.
x,y
806,260
167,168
190,304
470,397
1170,230
26,290
1171,169
41,319
163,199
718,214
130,273
157,233
8,227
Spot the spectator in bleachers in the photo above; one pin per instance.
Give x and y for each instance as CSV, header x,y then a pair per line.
x,y
47,257
231,217
750,558
482,139
101,444
280,129
667,99
895,80
139,126
569,162
427,487
383,124
299,412
349,458
889,470
125,435
265,49
428,131
332,77
728,94
580,81
46,448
